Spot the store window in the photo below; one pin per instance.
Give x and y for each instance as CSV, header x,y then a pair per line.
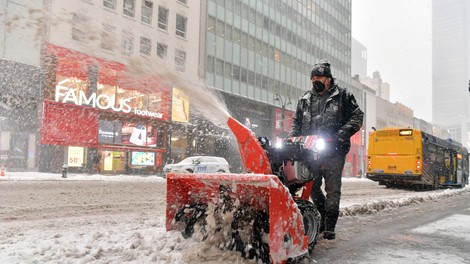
x,y
137,99
155,102
18,150
179,145
109,91
66,84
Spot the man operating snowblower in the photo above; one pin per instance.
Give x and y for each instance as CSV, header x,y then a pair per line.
x,y
333,114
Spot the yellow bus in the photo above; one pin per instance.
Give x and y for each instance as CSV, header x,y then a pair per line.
x,y
399,157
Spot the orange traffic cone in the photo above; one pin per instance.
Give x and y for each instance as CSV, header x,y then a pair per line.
x,y
2,173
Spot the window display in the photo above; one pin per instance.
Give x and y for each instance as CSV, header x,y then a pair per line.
x,y
142,158
139,134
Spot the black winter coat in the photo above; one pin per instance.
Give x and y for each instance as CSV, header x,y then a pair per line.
x,y
339,119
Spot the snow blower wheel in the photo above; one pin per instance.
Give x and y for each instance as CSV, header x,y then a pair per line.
x,y
311,218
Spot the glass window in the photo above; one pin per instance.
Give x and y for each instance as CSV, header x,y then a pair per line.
x,y
243,75
251,42
235,72
163,18
180,60
258,80
244,40
236,35
211,24
77,84
127,43
137,99
155,102
251,77
220,28
145,46
129,8
147,9
79,27
210,64
108,90
229,4
228,32
219,66
237,8
111,4
181,25
162,50
107,37
228,70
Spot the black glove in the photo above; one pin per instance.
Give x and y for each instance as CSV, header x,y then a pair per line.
x,y
340,141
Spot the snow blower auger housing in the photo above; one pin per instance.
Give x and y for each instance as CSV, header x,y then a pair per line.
x,y
253,213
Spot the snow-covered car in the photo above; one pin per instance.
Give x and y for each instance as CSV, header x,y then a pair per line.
x,y
198,164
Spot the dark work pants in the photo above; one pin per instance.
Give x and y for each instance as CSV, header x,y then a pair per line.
x,y
328,169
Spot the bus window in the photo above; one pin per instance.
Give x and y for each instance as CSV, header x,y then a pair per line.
x,y
447,162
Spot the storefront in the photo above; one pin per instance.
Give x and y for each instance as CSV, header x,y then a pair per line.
x,y
355,159
97,119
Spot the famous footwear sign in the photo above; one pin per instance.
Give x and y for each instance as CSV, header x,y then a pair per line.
x,y
102,101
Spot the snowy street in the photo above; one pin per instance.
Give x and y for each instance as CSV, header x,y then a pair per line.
x,y
113,219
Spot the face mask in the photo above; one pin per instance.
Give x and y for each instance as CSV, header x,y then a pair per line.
x,y
318,86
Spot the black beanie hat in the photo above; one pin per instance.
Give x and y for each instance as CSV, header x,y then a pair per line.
x,y
321,68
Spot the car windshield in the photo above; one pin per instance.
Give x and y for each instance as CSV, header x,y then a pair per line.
x,y
190,160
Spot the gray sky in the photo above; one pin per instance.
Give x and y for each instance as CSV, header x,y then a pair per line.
x,y
397,34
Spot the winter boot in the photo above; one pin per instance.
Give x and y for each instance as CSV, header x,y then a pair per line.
x,y
331,217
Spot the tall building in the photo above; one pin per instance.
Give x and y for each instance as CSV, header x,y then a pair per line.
x,y
259,53
358,59
20,83
257,49
451,67
92,83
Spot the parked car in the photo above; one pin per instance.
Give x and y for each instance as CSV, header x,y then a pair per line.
x,y
198,164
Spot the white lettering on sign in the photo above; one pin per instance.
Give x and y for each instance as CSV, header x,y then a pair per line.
x,y
102,101
138,111
67,95
109,134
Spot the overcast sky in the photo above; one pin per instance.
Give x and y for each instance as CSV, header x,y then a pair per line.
x,y
397,34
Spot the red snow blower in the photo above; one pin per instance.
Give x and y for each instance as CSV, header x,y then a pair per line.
x,y
265,214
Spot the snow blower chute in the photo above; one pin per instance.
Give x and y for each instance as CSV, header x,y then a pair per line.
x,y
253,213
